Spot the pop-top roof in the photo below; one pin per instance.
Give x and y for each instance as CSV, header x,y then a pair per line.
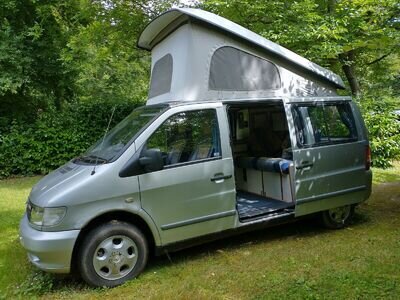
x,y
169,21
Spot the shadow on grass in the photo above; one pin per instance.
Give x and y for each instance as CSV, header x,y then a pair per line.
x,y
40,283
377,208
307,227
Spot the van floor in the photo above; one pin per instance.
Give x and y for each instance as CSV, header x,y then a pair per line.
x,y
251,205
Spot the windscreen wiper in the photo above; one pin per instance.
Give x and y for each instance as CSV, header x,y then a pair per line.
x,y
92,158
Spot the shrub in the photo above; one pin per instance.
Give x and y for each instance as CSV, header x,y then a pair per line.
x,y
56,136
384,130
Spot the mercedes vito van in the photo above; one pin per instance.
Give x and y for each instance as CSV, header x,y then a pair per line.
x,y
237,134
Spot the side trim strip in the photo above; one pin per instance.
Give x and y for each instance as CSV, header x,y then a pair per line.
x,y
198,220
332,194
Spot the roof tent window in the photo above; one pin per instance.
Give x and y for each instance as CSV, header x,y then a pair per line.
x,y
161,76
235,70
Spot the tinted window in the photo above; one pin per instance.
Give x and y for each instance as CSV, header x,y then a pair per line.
x,y
161,76
187,136
331,123
235,70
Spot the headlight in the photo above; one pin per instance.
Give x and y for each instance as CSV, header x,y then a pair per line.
x,y
45,216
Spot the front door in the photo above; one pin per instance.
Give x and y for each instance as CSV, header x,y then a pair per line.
x,y
329,156
194,193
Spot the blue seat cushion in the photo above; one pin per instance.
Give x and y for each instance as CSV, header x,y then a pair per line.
x,y
278,165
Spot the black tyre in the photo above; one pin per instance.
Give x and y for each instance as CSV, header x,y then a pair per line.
x,y
112,254
337,218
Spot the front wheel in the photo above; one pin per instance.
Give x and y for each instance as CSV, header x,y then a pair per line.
x,y
112,254
336,218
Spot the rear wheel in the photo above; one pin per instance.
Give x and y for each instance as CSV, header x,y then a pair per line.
x,y
339,217
112,254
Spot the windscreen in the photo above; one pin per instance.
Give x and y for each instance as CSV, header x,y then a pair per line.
x,y
117,139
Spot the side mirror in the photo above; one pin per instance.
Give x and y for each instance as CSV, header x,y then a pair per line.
x,y
151,160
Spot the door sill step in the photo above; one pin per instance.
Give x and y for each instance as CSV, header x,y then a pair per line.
x,y
279,215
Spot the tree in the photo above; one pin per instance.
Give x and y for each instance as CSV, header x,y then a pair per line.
x,y
53,51
32,75
350,36
103,52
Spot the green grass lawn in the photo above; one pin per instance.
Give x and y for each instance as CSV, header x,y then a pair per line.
x,y
299,260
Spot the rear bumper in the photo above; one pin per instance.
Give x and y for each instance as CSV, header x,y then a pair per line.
x,y
49,251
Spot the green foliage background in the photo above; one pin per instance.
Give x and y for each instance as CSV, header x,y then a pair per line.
x,y
384,129
56,136
65,64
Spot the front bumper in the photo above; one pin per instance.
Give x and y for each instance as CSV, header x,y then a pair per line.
x,y
49,251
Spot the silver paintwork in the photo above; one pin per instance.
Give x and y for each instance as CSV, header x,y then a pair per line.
x,y
326,184
88,196
49,251
182,202
178,194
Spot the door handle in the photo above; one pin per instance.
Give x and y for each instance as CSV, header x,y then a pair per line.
x,y
304,165
220,177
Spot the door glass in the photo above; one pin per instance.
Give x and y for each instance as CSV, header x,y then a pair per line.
x,y
330,123
336,124
187,136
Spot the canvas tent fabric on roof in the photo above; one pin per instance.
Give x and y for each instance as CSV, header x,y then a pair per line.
x,y
197,55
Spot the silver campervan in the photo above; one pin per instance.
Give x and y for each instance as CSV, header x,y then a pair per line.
x,y
238,133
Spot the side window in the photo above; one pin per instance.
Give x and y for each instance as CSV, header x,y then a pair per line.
x,y
324,124
187,136
234,70
161,76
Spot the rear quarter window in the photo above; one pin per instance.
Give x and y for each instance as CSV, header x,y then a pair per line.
x,y
323,124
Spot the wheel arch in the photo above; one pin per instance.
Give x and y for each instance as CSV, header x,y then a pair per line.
x,y
117,215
